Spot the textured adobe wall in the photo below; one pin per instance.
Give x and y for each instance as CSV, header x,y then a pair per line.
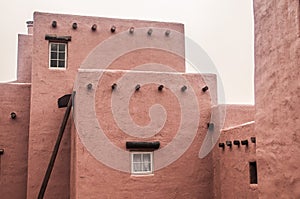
x,y
231,165
48,85
232,119
24,58
14,139
187,177
238,114
277,90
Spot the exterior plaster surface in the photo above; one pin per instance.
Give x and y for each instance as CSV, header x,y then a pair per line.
x,y
50,84
234,122
277,95
187,177
14,139
24,58
29,139
231,174
237,114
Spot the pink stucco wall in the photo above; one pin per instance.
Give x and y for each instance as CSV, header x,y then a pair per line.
x,y
231,165
24,58
277,89
231,170
187,177
14,139
49,85
78,173
237,114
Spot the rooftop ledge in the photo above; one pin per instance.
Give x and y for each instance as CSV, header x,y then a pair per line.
x,y
83,70
238,126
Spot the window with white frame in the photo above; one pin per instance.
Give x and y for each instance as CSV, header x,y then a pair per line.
x,y
142,162
58,55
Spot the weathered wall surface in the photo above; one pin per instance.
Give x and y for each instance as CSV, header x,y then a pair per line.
x,y
277,95
24,58
187,177
49,85
237,114
231,164
14,139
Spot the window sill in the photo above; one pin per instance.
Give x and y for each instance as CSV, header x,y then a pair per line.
x,y
141,175
59,69
253,186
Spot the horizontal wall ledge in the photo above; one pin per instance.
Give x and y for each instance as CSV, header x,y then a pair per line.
x,y
142,145
58,38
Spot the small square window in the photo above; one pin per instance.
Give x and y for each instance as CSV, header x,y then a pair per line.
x,y
57,55
141,162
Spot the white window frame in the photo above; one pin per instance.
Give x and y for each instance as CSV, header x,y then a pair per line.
x,y
65,58
141,172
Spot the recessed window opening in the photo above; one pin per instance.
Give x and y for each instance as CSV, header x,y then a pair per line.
x,y
253,172
142,163
58,55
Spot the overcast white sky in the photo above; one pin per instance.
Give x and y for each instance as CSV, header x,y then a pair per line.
x,y
223,28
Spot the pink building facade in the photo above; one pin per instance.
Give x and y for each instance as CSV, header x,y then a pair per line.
x,y
138,121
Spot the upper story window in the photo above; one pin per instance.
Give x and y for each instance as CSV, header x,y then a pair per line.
x,y
58,55
142,162
58,49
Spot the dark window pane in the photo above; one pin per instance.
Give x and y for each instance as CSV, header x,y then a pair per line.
x,y
137,158
61,55
137,167
53,47
61,64
253,172
61,47
147,166
53,55
53,63
146,158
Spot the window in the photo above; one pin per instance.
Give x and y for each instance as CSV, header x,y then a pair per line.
x,y
253,172
58,55
141,162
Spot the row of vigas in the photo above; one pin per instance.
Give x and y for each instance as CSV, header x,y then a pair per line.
x,y
113,28
238,143
160,87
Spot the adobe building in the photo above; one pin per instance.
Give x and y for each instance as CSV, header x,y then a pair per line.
x,y
136,125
